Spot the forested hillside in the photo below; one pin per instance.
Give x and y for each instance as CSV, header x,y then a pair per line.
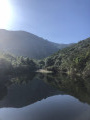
x,y
10,64
71,60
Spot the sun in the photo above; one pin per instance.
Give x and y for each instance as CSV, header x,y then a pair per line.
x,y
5,14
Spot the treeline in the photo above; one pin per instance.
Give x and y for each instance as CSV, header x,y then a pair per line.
x,y
10,64
71,60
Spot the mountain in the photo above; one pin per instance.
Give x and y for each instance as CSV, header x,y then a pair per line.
x,y
22,43
72,60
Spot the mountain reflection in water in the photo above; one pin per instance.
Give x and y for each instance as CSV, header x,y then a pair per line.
x,y
44,96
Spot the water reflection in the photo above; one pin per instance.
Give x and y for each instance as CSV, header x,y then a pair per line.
x,y
59,107
44,97
24,91
75,86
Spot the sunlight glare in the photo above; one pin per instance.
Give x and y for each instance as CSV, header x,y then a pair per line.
x,y
5,14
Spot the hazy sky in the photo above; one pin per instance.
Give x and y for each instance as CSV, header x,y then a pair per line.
x,y
61,21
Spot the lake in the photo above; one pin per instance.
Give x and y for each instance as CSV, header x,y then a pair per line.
x,y
38,96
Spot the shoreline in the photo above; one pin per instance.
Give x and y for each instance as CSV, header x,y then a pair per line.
x,y
43,71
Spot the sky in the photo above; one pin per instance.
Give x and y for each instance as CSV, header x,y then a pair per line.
x,y
60,21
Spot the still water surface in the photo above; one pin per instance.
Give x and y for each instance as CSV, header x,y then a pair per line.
x,y
44,97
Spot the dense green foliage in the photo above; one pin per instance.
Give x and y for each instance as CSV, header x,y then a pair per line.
x,y
72,60
10,64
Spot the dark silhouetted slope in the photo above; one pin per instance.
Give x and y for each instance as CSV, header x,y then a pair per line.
x,y
22,43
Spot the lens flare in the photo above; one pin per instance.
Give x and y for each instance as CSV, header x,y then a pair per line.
x,y
5,14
